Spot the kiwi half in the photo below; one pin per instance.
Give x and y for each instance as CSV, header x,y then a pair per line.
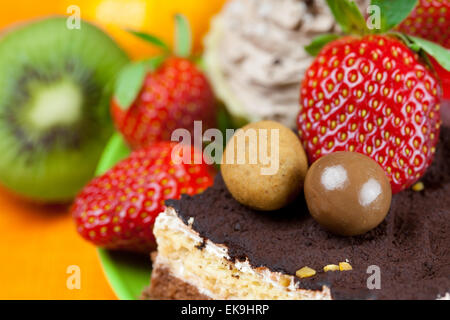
x,y
55,86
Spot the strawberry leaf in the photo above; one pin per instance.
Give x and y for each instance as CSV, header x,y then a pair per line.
x,y
130,80
115,151
348,16
413,46
439,53
319,42
393,12
183,39
154,63
129,83
150,39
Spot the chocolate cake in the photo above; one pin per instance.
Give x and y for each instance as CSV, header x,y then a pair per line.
x,y
235,252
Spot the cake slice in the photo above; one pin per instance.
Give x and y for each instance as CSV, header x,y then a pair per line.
x,y
212,247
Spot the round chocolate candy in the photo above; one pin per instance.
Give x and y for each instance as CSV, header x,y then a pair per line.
x,y
348,193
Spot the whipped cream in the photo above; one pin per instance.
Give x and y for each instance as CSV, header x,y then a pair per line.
x,y
255,54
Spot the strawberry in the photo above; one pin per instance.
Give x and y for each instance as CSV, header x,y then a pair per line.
x,y
444,76
372,95
431,20
156,96
118,209
172,97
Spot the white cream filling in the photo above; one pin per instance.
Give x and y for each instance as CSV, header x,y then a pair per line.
x,y
445,297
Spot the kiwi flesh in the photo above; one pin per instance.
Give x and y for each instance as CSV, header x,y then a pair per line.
x,y
55,86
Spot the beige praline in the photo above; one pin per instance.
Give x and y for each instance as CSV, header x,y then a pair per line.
x,y
265,178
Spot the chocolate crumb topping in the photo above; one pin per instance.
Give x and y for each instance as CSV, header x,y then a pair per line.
x,y
411,246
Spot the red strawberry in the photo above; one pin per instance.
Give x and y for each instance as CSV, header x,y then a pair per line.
x,y
431,20
371,95
444,76
118,210
172,97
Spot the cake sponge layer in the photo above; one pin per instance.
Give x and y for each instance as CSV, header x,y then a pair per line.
x,y
206,266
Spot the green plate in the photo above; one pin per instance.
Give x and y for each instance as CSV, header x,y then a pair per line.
x,y
127,273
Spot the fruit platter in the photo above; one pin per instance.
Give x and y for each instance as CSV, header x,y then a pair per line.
x,y
260,150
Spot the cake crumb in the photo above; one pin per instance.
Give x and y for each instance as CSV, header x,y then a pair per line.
x,y
418,186
305,272
345,266
331,267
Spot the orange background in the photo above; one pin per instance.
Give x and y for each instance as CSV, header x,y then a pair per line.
x,y
153,16
38,243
